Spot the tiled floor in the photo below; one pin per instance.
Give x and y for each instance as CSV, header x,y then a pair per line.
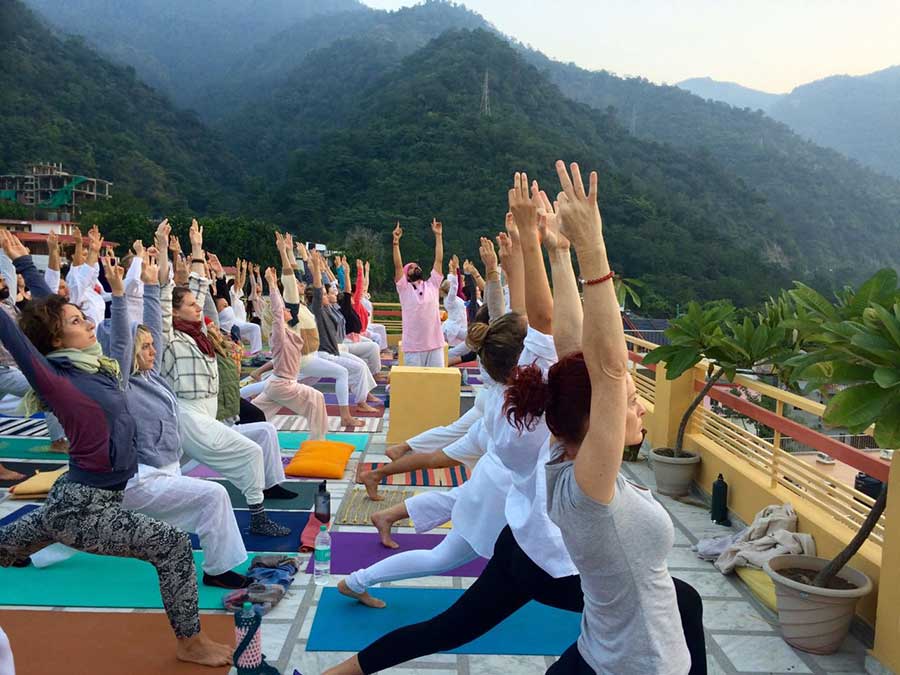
x,y
742,636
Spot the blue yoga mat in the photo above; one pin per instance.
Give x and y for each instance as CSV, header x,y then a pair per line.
x,y
290,440
342,625
18,513
296,520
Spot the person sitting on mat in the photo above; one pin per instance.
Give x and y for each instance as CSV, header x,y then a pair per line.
x,y
423,341
57,350
282,389
190,368
158,489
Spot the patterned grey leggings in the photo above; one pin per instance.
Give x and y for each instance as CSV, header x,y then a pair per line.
x,y
93,520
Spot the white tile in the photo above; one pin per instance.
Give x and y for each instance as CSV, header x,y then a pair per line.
x,y
273,637
760,654
733,615
480,664
709,583
682,557
850,658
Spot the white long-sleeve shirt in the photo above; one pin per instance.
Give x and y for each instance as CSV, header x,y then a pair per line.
x,y
85,291
134,291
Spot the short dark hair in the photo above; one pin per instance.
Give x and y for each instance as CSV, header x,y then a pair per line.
x,y
42,322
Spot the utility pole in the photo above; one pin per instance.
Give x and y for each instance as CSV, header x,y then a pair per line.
x,y
485,97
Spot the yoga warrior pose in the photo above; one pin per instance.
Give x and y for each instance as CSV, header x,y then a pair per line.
x,y
58,352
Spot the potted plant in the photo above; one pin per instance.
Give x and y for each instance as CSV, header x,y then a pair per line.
x,y
853,342
696,335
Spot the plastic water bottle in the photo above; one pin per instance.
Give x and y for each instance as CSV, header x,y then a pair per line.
x,y
322,564
246,622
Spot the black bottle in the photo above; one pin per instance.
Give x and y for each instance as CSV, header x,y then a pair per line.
x,y
719,506
323,503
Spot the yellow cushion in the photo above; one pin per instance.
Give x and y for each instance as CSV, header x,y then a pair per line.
x,y
760,584
320,459
38,485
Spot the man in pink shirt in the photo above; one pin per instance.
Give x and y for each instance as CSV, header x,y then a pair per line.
x,y
423,340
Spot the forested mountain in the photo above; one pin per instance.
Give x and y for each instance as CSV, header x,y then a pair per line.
x,y
859,116
845,218
731,93
174,45
61,101
415,146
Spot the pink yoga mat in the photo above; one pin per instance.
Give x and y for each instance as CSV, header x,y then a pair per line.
x,y
203,471
351,551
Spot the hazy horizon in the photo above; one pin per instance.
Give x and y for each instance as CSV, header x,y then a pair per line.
x,y
769,46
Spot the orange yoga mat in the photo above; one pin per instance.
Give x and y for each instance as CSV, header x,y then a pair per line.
x,y
103,643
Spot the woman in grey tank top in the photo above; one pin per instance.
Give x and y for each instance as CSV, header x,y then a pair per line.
x,y
616,532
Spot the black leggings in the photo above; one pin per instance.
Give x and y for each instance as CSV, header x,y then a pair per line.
x,y
510,580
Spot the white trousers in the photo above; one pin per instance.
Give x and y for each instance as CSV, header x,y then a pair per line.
x,y
452,552
459,350
359,380
254,389
378,333
7,666
221,447
439,438
368,351
432,359
316,367
190,504
252,334
265,435
431,509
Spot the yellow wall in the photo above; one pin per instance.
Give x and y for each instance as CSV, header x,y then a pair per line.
x,y
887,633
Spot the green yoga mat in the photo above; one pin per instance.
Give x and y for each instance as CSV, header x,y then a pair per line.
x,y
302,502
30,448
290,440
87,580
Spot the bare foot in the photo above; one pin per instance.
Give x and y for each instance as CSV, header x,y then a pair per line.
x,y
352,422
364,598
200,649
365,408
395,452
9,474
383,524
60,445
371,480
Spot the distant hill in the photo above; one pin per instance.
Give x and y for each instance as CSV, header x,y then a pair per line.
x,y
176,45
730,93
859,116
62,101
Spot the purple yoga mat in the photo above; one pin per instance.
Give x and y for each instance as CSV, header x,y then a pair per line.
x,y
351,551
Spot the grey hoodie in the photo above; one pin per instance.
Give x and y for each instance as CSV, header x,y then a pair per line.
x,y
149,396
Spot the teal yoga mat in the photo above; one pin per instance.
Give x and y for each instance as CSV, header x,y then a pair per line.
x,y
87,580
291,440
342,625
30,448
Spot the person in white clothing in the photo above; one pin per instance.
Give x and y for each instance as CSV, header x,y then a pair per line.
x,y
457,323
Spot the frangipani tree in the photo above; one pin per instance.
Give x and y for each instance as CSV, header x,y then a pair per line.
x,y
855,342
707,333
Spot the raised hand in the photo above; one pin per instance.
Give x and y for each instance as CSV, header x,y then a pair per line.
x,y
523,203
301,250
215,265
548,226
182,271
161,236
115,275
488,255
53,241
288,241
174,245
195,235
581,222
150,270
454,264
12,245
437,227
279,241
272,277
95,240
138,248
359,264
397,233
505,245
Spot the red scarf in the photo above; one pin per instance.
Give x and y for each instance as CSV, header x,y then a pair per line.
x,y
194,329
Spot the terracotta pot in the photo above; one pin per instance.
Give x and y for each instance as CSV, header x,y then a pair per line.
x,y
813,619
674,475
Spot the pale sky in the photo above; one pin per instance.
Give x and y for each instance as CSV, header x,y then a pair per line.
x,y
772,45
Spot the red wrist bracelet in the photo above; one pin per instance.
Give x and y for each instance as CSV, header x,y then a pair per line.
x,y
591,282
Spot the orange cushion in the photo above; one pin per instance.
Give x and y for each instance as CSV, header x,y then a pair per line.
x,y
320,459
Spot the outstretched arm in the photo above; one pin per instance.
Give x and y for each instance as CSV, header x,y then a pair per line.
x,y
538,299
398,260
605,353
511,260
493,292
568,315
438,229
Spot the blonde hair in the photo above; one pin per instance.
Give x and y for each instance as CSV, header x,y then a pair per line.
x,y
140,332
